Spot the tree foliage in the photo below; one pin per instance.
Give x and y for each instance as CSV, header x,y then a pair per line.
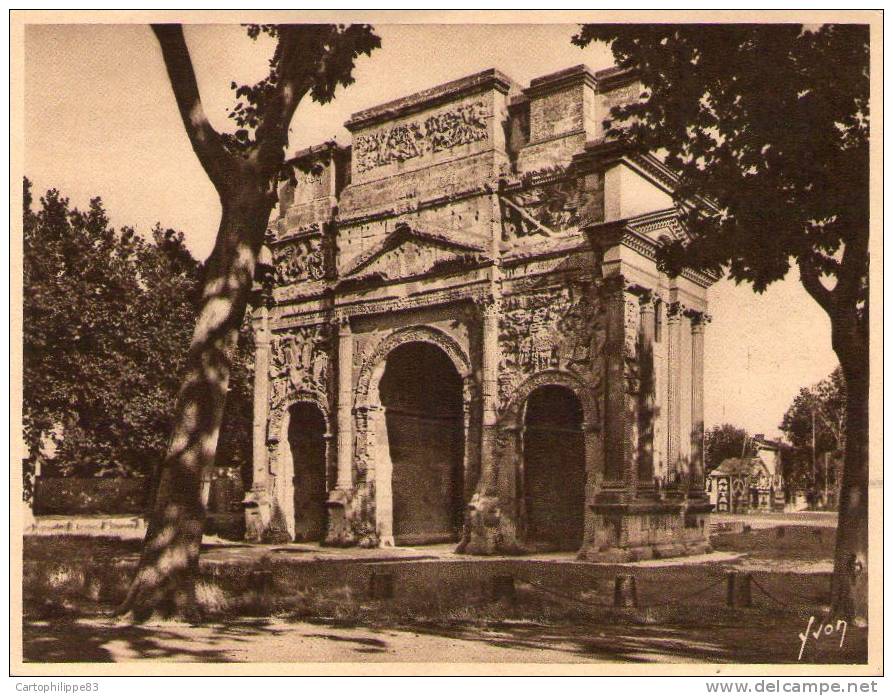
x,y
827,401
768,122
726,441
767,126
107,318
824,404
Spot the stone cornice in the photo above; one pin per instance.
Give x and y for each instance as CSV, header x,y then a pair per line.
x,y
569,77
310,230
598,154
490,79
632,233
404,232
411,206
316,152
611,78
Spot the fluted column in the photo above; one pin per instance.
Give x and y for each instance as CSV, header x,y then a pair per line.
x,y
696,472
345,403
260,479
618,458
489,390
258,501
646,389
674,389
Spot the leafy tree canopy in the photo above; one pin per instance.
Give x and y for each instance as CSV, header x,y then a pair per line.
x,y
824,403
771,124
107,319
767,126
726,441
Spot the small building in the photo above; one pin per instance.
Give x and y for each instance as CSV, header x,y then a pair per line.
x,y
750,484
468,338
769,453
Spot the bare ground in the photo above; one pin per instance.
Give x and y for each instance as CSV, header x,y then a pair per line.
x,y
555,617
281,640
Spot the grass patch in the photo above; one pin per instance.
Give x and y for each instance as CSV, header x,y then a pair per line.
x,y
788,542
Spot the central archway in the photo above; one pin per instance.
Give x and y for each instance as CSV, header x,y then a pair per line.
x,y
422,396
554,468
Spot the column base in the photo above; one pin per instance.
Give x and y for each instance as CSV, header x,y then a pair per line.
x,y
339,526
646,529
487,531
263,519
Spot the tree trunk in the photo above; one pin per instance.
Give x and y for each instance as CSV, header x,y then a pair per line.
x,y
850,581
165,579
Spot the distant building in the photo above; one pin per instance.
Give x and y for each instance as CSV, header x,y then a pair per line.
x,y
749,484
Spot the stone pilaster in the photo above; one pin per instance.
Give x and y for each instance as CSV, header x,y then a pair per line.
x,y
646,390
696,471
674,389
258,502
622,342
345,403
486,531
340,532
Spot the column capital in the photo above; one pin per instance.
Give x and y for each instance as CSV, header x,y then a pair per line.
x,y
647,302
489,305
699,321
613,284
342,321
644,294
675,310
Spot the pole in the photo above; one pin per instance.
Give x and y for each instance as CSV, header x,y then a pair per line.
x,y
814,472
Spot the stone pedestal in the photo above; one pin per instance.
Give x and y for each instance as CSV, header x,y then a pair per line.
x,y
643,529
339,530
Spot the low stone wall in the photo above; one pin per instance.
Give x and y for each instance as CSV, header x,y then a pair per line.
x,y
90,496
119,526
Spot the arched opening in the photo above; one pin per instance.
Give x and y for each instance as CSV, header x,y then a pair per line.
x,y
306,437
421,393
554,468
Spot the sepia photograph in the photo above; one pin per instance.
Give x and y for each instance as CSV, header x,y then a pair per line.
x,y
354,342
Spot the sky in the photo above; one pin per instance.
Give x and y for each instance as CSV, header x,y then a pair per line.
x,y
100,119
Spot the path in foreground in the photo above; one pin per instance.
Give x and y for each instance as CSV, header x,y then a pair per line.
x,y
277,640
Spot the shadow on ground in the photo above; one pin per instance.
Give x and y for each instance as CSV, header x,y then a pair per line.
x,y
73,640
281,640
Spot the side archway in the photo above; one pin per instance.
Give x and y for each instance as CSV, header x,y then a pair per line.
x,y
550,432
287,473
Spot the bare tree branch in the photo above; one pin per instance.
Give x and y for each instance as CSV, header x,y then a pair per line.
x,y
206,142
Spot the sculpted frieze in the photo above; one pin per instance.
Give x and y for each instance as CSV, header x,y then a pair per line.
x,y
554,328
299,362
301,259
460,125
554,205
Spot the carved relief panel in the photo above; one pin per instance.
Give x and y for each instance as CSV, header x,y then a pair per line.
x,y
299,259
458,125
555,205
300,362
554,328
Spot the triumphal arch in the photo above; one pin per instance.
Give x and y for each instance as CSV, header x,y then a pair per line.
x,y
467,338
